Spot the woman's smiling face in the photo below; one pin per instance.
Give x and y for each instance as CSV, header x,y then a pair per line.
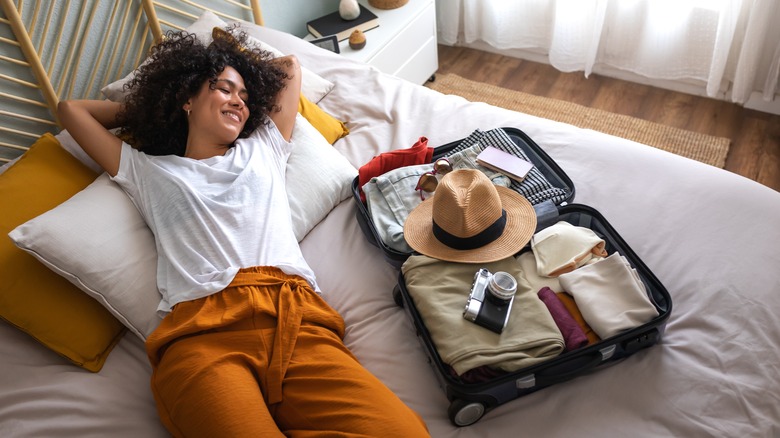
x,y
218,112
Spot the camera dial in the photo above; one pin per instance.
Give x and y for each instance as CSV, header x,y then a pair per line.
x,y
502,286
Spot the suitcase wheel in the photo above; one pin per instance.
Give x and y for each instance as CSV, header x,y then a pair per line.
x,y
465,413
399,300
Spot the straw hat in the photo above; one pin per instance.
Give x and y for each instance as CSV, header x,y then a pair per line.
x,y
470,220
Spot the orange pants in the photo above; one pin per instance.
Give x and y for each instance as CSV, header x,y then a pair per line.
x,y
263,358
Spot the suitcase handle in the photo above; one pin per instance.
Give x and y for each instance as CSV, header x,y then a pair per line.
x,y
568,370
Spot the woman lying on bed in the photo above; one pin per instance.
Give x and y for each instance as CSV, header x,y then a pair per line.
x,y
248,347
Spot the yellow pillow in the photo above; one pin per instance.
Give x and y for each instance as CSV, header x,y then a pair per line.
x,y
330,128
32,297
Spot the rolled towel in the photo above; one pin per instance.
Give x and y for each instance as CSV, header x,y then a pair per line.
x,y
573,335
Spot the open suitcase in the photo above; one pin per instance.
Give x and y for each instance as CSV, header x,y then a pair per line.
x,y
543,162
470,401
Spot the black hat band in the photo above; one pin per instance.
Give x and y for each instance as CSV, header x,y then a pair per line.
x,y
478,240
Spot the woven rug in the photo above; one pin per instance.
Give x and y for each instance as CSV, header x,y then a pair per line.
x,y
701,147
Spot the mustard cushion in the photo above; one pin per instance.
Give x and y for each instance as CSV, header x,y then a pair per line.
x,y
32,297
330,127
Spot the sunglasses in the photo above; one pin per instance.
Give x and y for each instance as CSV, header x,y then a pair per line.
x,y
428,181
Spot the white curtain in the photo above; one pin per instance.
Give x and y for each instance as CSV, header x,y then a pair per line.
x,y
726,47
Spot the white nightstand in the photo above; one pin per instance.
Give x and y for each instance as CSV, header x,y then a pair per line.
x,y
404,44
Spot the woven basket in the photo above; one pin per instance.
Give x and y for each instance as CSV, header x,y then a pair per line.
x,y
387,4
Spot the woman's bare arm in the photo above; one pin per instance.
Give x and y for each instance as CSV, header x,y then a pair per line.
x,y
287,99
89,121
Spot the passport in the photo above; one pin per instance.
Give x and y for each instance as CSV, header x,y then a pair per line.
x,y
504,162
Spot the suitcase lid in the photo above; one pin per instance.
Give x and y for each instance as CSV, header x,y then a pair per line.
x,y
540,159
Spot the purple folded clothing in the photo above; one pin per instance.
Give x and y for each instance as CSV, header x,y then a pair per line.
x,y
573,335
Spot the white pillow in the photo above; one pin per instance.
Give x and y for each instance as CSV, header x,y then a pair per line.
x,y
313,86
99,241
8,164
318,177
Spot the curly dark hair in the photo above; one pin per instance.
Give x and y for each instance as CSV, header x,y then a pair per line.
x,y
153,120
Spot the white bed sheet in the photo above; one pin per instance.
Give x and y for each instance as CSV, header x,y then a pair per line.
x,y
711,237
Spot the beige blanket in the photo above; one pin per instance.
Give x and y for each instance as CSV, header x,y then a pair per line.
x,y
440,289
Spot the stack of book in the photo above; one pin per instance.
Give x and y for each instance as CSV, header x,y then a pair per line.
x,y
333,24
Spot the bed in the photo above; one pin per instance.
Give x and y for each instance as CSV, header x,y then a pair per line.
x,y
710,236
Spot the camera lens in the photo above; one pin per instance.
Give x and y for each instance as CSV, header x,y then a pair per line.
x,y
502,286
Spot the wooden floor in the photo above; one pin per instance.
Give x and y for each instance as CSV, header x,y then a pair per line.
x,y
755,136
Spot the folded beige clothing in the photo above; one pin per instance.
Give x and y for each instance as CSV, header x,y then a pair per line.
x,y
610,295
440,289
563,247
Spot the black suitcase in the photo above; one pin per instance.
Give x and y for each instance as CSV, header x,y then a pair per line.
x,y
470,401
543,162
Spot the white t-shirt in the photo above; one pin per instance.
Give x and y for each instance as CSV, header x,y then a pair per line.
x,y
211,217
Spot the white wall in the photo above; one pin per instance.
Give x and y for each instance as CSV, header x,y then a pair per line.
x,y
291,15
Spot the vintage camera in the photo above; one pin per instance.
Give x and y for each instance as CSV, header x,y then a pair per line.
x,y
490,300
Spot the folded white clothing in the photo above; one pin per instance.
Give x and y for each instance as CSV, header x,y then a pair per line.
x,y
610,295
563,247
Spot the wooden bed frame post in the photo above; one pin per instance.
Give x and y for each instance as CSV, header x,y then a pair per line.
x,y
256,13
151,18
17,26
156,29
